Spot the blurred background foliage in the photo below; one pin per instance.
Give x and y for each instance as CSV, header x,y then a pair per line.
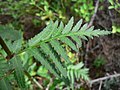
x,y
40,12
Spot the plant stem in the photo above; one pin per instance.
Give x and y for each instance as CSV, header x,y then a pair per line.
x,y
103,78
5,47
33,79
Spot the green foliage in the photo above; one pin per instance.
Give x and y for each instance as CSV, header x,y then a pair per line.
x,y
59,33
5,33
75,72
3,65
115,29
43,10
19,71
42,71
4,84
84,8
82,32
99,61
47,48
114,4
40,12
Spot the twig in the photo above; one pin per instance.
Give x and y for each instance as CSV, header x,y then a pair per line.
x,y
94,48
33,79
95,12
100,85
103,78
38,84
86,54
50,83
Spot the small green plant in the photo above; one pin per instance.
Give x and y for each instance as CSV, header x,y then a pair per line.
x,y
99,61
83,8
47,49
115,29
114,4
39,11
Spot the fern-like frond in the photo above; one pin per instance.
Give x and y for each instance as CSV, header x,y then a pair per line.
x,y
77,26
4,66
59,49
59,29
44,62
77,40
53,36
45,34
68,42
68,27
54,32
14,46
19,73
76,72
8,32
4,84
46,48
